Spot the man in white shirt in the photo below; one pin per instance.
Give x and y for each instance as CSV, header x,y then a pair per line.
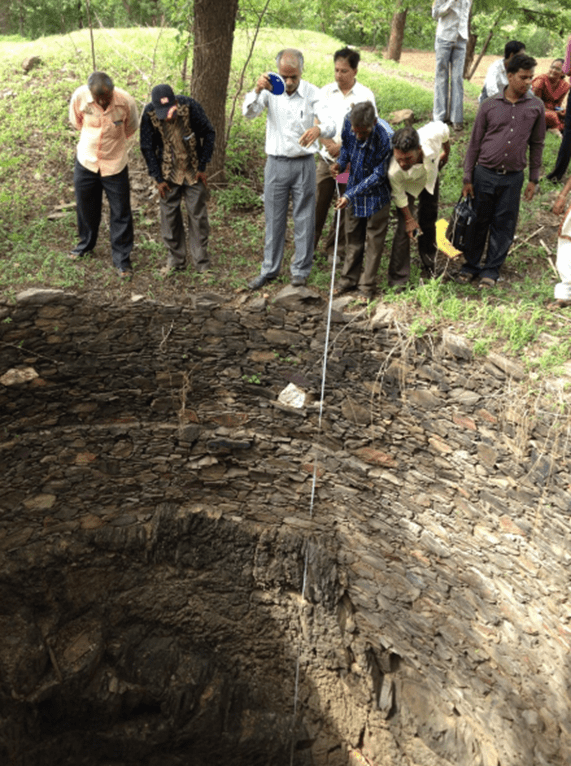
x,y
496,76
413,175
291,142
340,97
450,46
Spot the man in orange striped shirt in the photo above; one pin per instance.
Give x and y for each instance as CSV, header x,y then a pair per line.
x,y
107,118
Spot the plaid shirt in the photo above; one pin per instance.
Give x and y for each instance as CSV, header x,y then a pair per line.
x,y
368,188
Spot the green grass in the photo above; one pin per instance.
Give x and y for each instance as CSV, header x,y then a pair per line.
x,y
37,148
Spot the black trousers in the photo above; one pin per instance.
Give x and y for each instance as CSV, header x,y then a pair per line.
x,y
399,264
496,202
564,154
89,189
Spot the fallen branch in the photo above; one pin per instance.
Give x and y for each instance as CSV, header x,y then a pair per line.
x,y
523,241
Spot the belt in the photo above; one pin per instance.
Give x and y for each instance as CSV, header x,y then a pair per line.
x,y
501,171
283,156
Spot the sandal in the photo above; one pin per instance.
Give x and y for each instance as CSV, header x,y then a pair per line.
x,y
486,282
464,278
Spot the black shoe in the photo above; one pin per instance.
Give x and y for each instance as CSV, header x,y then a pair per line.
x,y
298,281
553,179
258,282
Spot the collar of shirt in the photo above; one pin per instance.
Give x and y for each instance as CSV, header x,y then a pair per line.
x,y
290,116
340,104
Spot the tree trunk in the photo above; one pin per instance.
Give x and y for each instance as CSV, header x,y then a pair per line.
x,y
484,47
470,52
4,19
397,33
214,23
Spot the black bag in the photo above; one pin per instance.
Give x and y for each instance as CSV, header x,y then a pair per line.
x,y
462,226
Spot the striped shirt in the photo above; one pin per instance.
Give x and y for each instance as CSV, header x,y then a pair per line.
x,y
368,188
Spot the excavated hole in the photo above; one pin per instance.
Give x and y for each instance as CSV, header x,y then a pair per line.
x,y
155,523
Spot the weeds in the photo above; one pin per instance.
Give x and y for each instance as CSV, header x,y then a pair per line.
x,y
36,164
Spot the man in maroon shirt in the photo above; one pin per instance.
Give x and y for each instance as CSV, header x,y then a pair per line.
x,y
505,126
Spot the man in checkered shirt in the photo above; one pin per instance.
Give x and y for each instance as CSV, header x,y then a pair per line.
x,y
366,144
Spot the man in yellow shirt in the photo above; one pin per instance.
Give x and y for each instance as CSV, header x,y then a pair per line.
x,y
106,118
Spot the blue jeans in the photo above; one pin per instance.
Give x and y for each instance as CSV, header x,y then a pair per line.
x,y
496,203
450,57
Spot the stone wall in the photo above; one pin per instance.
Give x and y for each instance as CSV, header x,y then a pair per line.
x,y
155,520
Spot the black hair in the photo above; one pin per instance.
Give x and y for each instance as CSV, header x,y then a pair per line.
x,y
513,47
353,57
405,139
520,61
99,82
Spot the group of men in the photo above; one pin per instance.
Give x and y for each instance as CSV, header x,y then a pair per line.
x,y
338,123
177,141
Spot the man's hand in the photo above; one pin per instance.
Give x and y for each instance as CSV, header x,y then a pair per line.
x,y
412,228
341,203
559,205
332,146
263,83
201,176
163,188
529,191
467,190
334,169
310,136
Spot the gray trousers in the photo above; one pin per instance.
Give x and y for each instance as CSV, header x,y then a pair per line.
x,y
172,227
283,176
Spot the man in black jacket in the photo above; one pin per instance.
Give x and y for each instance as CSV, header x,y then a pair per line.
x,y
177,141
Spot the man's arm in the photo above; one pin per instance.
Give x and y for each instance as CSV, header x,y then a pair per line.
x,y
346,136
445,154
567,62
441,7
132,120
257,100
536,143
147,148
325,118
203,129
75,115
478,132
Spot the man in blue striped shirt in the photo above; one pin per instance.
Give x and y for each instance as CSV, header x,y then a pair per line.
x,y
366,144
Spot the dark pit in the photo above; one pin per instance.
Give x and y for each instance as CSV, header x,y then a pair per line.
x,y
157,529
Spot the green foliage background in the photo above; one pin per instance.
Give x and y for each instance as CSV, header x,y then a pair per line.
x,y
543,27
